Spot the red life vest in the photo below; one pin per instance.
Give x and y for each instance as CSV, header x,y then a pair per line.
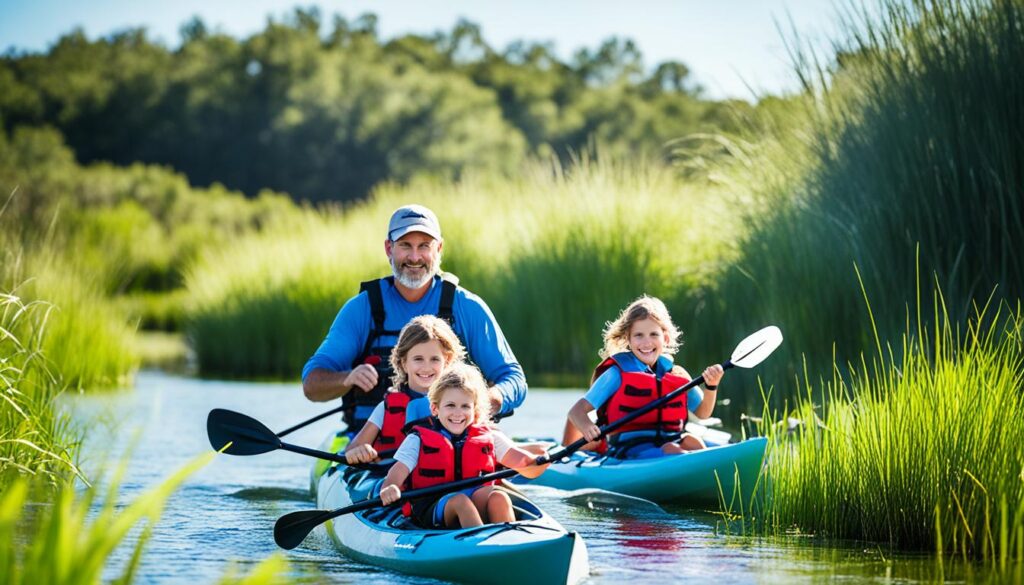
x,y
392,430
637,389
440,461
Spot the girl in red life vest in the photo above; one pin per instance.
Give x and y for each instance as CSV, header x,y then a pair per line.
x,y
426,347
638,369
456,444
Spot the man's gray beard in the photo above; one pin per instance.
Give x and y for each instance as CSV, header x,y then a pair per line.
x,y
415,284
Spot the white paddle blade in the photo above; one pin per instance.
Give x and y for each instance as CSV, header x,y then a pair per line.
x,y
757,346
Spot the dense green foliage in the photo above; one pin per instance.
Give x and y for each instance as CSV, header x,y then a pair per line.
x,y
916,146
57,332
34,439
559,254
128,232
912,143
69,541
920,448
328,116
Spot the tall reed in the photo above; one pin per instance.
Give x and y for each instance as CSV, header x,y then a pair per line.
x,y
261,306
555,254
911,138
87,340
919,446
34,438
69,540
56,332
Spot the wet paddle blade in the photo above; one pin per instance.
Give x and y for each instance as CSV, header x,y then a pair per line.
x,y
756,347
606,501
247,435
291,529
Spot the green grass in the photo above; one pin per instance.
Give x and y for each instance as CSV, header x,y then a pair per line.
x,y
555,254
57,332
68,540
85,339
919,447
34,438
912,140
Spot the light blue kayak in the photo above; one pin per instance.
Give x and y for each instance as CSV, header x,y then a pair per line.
x,y
699,478
534,549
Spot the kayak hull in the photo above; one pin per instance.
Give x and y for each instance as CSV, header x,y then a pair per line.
x,y
724,475
535,548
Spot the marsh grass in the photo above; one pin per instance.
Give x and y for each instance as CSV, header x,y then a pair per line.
x,y
919,446
911,138
555,254
260,307
34,438
87,340
68,541
57,333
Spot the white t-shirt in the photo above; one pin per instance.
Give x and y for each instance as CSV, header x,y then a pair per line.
x,y
409,452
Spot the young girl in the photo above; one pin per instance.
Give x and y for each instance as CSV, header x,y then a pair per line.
x,y
638,369
426,347
459,405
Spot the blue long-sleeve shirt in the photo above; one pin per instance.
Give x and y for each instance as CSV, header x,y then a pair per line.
x,y
474,324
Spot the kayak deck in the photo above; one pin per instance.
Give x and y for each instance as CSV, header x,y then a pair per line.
x,y
534,548
723,475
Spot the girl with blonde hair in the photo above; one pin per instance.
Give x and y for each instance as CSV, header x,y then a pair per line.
x,y
456,444
637,369
426,347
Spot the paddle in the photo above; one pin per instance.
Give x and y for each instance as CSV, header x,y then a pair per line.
x,y
249,436
311,421
291,529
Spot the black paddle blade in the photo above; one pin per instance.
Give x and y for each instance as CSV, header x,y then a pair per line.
x,y
247,435
291,529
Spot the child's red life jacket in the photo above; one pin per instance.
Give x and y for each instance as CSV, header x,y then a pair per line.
x,y
637,389
442,461
392,429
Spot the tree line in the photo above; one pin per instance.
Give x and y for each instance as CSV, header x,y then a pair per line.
x,y
327,116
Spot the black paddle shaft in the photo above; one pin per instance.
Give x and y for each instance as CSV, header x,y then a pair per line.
x,y
292,528
249,436
576,445
310,421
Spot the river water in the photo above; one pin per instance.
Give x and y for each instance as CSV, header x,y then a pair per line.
x,y
224,514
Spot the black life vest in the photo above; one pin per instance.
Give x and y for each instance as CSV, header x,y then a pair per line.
x,y
379,356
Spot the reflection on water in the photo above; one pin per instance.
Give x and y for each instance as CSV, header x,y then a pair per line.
x,y
226,512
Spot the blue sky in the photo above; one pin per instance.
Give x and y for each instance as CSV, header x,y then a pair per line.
x,y
728,44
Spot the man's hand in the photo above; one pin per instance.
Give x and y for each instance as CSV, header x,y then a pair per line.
x,y
364,377
496,399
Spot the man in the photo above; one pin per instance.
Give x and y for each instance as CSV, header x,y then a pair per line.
x,y
352,361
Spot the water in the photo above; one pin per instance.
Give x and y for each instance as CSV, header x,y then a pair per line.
x,y
225,513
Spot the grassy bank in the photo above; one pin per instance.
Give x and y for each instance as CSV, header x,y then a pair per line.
x,y
34,438
57,333
920,446
555,254
910,141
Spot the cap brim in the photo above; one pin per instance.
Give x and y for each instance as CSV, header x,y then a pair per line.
x,y
398,233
